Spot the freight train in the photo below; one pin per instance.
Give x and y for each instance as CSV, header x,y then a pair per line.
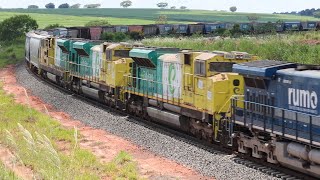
x,y
94,33
227,98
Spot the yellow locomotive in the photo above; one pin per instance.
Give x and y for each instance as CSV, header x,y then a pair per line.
x,y
189,90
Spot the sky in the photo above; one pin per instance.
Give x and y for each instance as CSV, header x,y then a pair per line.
x,y
263,6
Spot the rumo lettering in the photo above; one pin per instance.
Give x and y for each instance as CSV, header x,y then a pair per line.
x,y
302,98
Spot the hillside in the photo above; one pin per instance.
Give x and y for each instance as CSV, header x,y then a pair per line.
x,y
173,15
69,20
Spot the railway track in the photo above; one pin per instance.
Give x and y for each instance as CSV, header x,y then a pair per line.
x,y
250,162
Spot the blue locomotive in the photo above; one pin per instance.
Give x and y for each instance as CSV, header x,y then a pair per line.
x,y
277,118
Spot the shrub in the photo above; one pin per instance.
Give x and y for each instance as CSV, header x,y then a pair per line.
x,y
16,26
120,36
97,23
115,37
107,36
136,35
52,26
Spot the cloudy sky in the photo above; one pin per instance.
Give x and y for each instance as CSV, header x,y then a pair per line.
x,y
267,6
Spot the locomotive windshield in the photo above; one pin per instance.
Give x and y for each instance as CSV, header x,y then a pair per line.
x,y
122,53
221,66
108,54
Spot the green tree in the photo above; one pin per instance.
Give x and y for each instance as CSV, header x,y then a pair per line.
x,y
16,26
236,31
317,14
65,5
162,19
126,3
233,8
75,6
262,28
97,23
183,7
50,6
107,36
162,5
135,35
52,26
33,7
120,36
92,5
173,7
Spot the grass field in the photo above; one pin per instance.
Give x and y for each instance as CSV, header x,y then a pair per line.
x,y
34,139
297,47
140,16
11,52
68,20
7,174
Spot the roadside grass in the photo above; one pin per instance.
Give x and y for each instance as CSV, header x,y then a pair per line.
x,y
122,166
7,174
293,47
11,52
34,137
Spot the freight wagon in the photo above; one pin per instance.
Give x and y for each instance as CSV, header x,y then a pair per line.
x,y
308,25
211,28
73,33
123,29
165,29
180,29
292,26
95,33
108,29
196,29
60,32
84,32
150,30
135,28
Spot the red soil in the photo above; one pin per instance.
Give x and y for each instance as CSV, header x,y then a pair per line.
x,y
101,143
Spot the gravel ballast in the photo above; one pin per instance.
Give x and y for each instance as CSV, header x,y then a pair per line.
x,y
220,166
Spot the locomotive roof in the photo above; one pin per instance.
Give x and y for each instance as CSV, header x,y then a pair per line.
x,y
263,68
112,46
206,56
96,48
303,74
170,58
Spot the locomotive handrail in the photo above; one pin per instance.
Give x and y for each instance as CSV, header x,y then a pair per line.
x,y
308,119
275,107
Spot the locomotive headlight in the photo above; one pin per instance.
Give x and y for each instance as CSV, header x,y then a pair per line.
x,y
234,135
267,145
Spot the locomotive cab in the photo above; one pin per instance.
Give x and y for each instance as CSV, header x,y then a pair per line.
x,y
279,117
211,84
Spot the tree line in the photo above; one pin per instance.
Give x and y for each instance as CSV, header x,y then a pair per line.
x,y
124,4
307,12
65,5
